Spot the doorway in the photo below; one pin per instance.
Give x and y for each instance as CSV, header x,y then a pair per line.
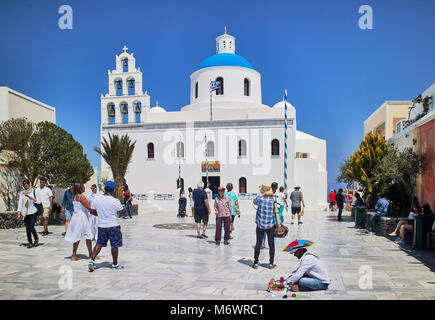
x,y
214,183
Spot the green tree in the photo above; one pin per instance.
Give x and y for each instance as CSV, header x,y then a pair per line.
x,y
117,152
396,175
14,136
57,156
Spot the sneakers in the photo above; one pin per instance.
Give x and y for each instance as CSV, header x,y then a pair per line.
x,y
292,222
255,265
271,265
218,243
393,234
203,236
91,266
226,242
29,245
199,236
399,241
299,222
117,267
36,243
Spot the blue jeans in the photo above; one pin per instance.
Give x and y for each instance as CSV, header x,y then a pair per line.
x,y
127,209
373,221
312,283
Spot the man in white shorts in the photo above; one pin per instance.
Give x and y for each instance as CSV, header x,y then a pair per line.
x,y
46,196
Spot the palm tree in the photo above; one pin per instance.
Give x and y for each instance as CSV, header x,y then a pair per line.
x,y
117,152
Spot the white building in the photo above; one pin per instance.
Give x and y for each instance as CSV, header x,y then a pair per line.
x,y
244,137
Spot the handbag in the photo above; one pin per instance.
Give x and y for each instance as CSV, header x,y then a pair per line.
x,y
38,206
281,230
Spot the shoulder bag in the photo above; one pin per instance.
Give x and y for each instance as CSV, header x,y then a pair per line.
x,y
280,230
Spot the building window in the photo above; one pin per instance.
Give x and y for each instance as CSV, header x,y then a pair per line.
x,y
224,44
124,112
150,149
118,87
242,185
180,149
111,113
196,90
275,147
247,87
302,155
131,87
210,149
220,90
242,148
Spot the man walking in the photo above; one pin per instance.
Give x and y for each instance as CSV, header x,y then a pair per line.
x,y
381,211
339,198
46,196
332,197
266,223
297,198
201,209
108,209
67,205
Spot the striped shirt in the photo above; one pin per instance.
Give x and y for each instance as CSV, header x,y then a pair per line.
x,y
265,218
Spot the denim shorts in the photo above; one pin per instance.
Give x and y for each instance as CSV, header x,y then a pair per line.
x,y
312,283
113,234
68,214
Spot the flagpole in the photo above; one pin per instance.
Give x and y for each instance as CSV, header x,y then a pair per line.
x,y
179,166
211,104
285,140
206,160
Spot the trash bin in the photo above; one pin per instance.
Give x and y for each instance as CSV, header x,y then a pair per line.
x,y
422,225
360,217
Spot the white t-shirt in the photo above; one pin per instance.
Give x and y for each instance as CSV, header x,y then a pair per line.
x,y
281,197
44,195
107,210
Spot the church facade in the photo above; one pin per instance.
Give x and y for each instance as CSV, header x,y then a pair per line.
x,y
221,136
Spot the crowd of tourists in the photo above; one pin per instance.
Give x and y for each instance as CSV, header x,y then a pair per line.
x,y
93,218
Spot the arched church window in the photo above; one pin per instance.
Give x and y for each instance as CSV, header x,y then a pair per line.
x,y
150,150
111,112
180,183
275,147
196,90
125,65
124,112
220,90
242,185
137,111
210,149
242,148
180,149
118,87
131,86
224,44
247,88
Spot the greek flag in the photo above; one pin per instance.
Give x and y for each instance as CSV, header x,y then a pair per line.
x,y
214,85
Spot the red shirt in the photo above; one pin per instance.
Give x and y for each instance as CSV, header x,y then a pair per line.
x,y
332,197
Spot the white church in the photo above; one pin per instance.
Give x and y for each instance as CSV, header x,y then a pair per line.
x,y
227,135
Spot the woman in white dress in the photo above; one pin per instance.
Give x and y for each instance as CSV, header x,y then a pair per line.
x,y
80,225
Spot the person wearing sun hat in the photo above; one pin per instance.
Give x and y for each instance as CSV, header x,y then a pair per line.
x,y
266,223
311,273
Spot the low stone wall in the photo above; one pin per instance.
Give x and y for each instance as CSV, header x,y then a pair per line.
x,y
8,219
386,225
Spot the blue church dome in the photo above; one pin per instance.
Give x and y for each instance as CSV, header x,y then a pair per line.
x,y
226,59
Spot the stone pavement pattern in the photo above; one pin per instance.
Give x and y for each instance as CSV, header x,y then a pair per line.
x,y
173,264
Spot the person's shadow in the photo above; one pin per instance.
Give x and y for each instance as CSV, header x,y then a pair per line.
x,y
80,256
105,264
25,244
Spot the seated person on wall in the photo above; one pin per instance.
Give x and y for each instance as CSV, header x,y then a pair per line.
x,y
311,274
359,202
381,211
406,223
409,225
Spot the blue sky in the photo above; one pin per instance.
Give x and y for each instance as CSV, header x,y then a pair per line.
x,y
336,74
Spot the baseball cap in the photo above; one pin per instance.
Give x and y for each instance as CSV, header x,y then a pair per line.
x,y
110,185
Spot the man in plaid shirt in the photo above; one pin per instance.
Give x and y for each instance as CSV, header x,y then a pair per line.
x,y
266,222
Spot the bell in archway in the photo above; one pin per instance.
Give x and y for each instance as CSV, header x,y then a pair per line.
x,y
131,83
119,84
125,62
137,108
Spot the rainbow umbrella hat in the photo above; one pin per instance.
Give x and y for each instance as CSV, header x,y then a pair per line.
x,y
297,244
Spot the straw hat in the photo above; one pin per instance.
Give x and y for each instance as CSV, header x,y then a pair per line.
x,y
265,189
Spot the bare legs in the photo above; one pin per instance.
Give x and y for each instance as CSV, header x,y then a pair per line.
x,y
75,247
97,249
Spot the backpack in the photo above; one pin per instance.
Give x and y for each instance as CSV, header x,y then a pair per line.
x,y
38,206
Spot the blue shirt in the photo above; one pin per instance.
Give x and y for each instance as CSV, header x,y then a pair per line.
x,y
199,196
382,205
233,198
67,200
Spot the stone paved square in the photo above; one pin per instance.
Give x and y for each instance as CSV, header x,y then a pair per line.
x,y
168,264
